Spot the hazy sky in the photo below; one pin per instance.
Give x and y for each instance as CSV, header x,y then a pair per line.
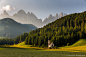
x,y
43,8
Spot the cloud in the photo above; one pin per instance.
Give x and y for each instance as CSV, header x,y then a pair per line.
x,y
7,8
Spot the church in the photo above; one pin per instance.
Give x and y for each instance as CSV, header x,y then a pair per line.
x,y
50,45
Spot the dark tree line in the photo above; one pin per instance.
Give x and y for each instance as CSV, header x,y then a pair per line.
x,y
6,41
10,41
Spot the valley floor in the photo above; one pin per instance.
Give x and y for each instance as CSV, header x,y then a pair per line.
x,y
21,51
66,48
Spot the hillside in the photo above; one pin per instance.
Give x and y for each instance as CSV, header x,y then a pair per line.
x,y
30,26
80,42
11,29
64,31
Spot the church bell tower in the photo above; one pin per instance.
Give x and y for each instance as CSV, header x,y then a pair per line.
x,y
48,42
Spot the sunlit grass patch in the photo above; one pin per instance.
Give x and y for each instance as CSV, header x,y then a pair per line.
x,y
80,42
23,44
2,48
79,46
76,47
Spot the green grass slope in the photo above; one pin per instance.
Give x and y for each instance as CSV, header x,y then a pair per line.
x,y
80,42
23,44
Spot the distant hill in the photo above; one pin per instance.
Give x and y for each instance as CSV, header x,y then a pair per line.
x,y
10,28
31,26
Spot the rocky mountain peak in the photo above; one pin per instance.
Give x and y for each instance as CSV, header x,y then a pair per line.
x,y
56,16
21,12
28,13
50,15
61,15
5,13
32,13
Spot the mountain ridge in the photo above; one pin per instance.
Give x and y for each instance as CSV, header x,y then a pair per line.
x,y
30,18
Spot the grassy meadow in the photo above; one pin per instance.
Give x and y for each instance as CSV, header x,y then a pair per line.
x,y
21,50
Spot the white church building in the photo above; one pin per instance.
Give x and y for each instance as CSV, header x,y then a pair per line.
x,y
50,45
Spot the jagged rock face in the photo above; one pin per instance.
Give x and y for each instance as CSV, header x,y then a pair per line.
x,y
4,15
45,21
61,15
32,19
28,18
56,16
52,18
20,16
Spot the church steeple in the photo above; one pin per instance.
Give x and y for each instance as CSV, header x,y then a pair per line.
x,y
48,42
